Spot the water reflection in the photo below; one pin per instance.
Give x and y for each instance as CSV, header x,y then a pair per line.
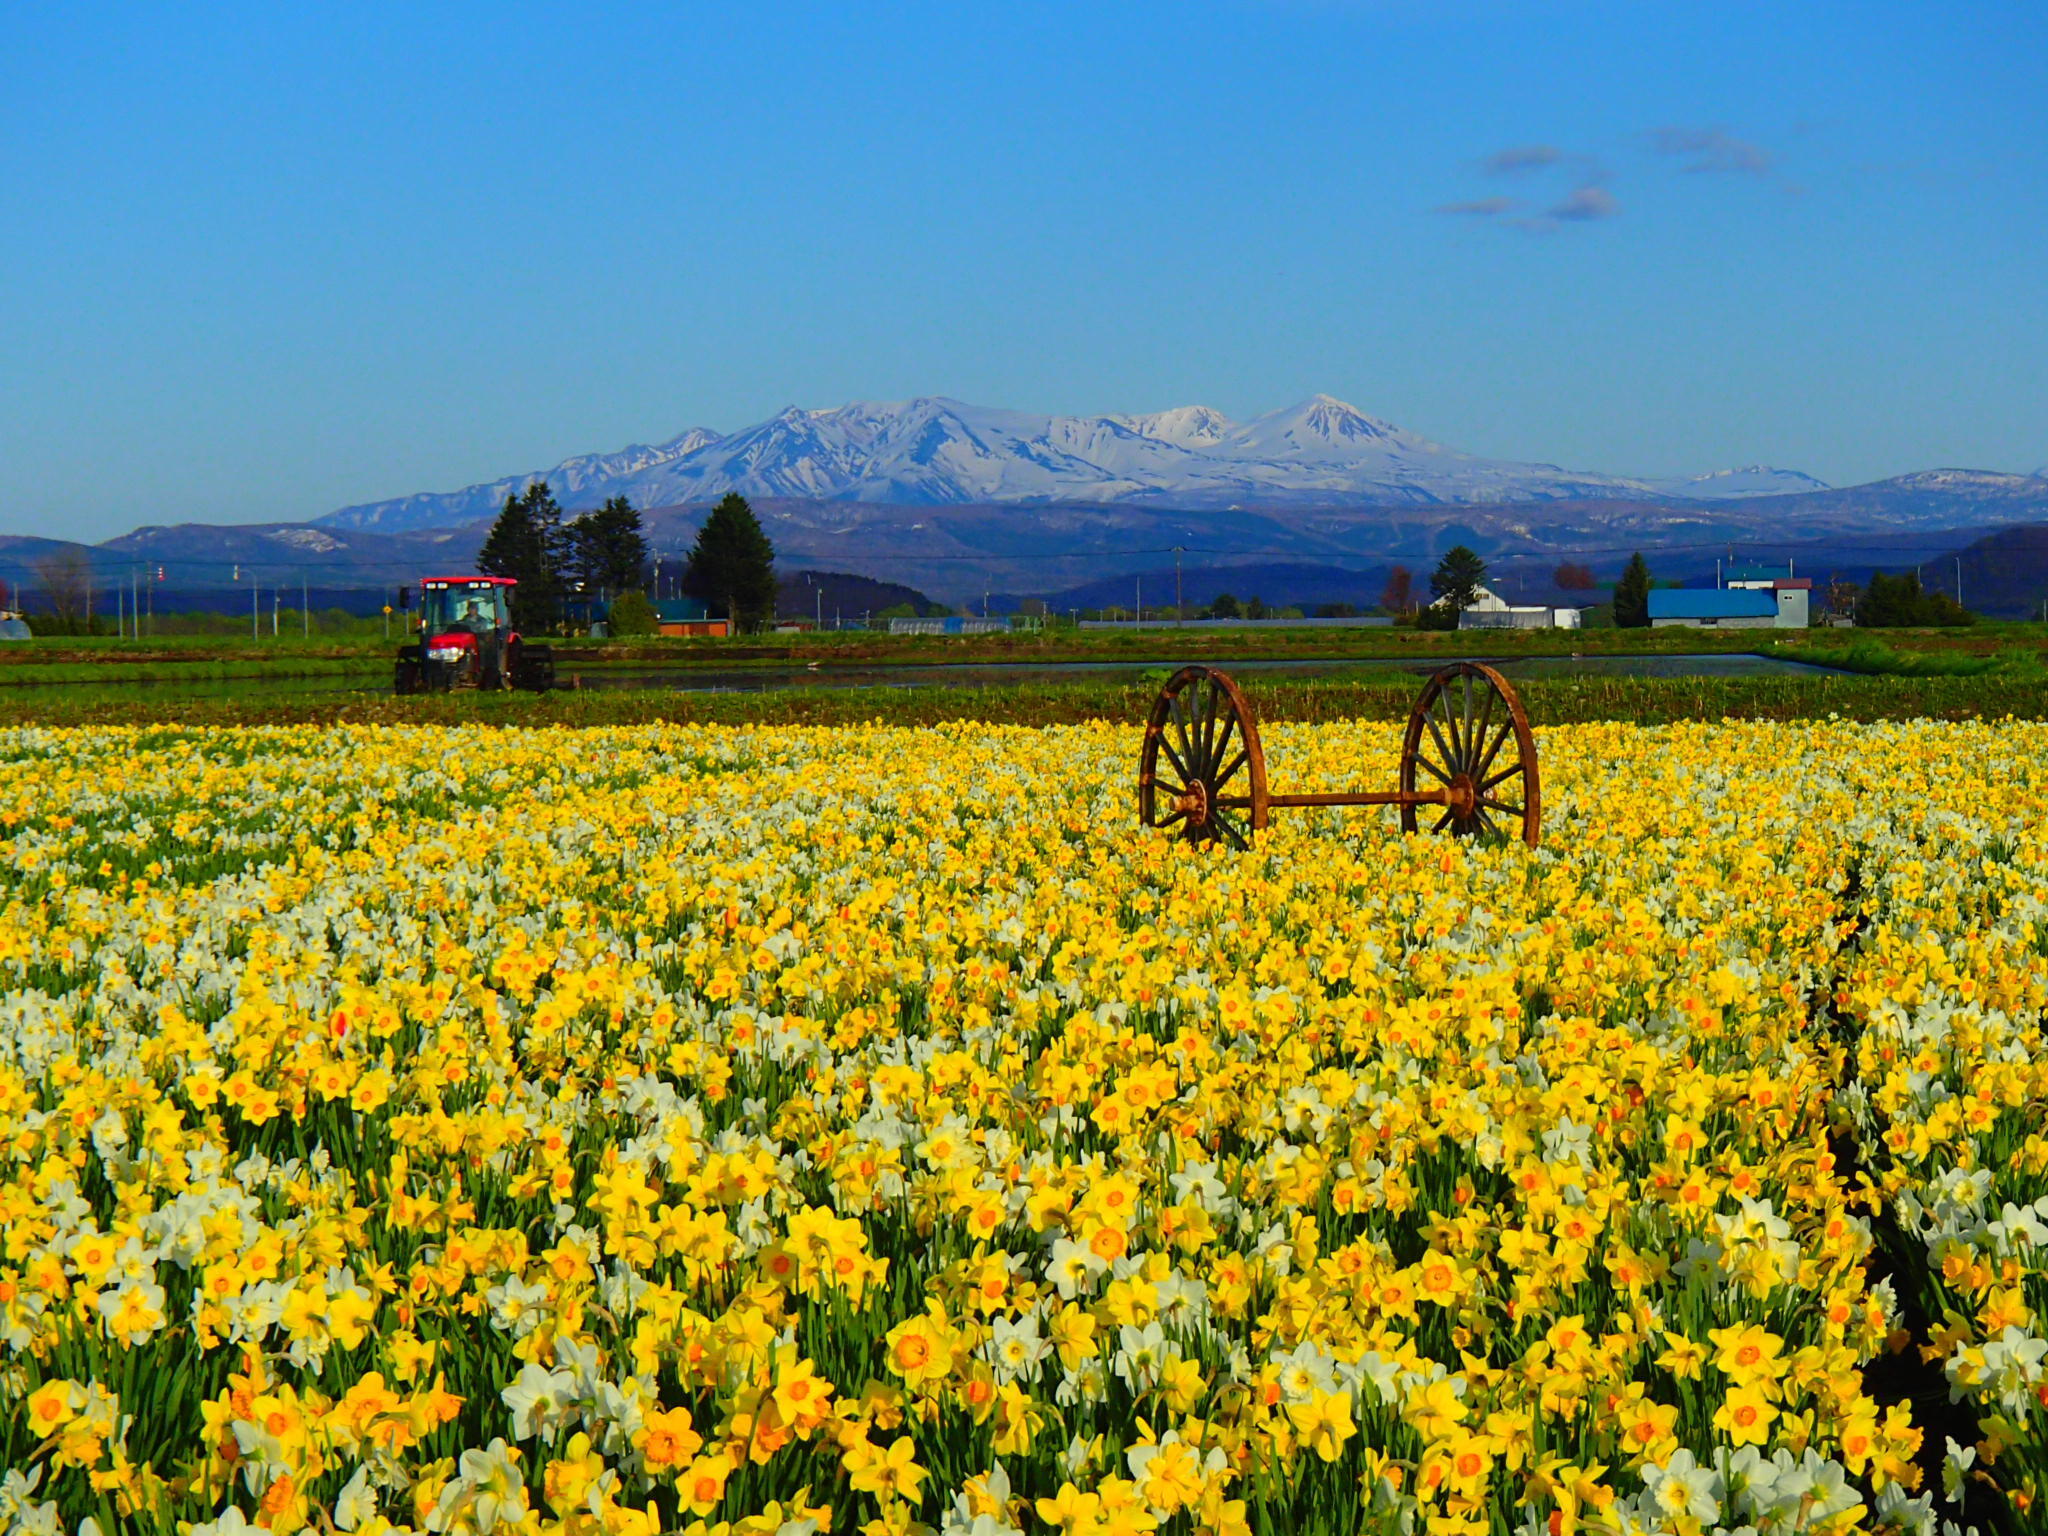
x,y
761,679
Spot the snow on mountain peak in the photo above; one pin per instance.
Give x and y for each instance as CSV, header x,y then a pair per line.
x,y
1739,484
1323,428
934,450
1191,426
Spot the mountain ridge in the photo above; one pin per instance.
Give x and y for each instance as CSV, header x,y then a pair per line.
x,y
936,451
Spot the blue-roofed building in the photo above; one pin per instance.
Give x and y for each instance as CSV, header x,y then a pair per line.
x,y
686,616
1728,607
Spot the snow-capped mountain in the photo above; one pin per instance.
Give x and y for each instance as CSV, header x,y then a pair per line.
x,y
1188,426
934,451
1734,484
579,482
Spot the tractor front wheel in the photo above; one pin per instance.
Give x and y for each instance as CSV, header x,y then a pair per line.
x,y
533,668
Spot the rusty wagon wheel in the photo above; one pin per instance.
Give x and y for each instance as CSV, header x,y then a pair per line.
x,y
1202,769
1469,738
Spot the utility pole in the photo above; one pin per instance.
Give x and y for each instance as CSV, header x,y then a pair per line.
x,y
820,591
1141,601
1959,585
276,602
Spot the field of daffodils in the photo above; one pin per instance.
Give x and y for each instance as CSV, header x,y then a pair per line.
x,y
783,1131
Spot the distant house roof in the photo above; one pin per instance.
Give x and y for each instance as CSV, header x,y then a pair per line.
x,y
680,610
1774,583
1709,603
1755,571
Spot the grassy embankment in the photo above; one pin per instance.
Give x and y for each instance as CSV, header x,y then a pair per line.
x,y
1551,701
1990,670
89,659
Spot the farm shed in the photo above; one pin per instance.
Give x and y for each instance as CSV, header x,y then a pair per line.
x,y
1519,617
954,624
687,616
1729,607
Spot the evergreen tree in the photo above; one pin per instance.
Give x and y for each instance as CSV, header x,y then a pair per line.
x,y
1895,602
528,544
1457,578
1225,607
608,549
632,614
1632,595
1888,602
732,565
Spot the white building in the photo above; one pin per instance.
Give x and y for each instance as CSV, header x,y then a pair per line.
x,y
1490,611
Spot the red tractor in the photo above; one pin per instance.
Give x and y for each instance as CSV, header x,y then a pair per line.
x,y
466,640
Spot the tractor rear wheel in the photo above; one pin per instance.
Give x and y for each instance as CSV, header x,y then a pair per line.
x,y
406,676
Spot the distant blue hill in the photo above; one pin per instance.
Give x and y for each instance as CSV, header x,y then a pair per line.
x,y
1279,584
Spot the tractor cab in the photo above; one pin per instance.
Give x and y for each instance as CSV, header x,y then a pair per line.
x,y
465,605
466,640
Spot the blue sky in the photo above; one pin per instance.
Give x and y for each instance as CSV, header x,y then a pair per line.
x,y
262,261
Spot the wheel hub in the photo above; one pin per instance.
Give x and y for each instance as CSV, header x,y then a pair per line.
x,y
1461,797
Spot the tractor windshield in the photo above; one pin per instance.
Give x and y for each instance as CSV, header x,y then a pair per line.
x,y
479,609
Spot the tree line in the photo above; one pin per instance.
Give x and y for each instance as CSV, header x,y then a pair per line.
x,y
604,555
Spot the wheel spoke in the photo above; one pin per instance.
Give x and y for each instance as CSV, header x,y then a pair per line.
x,y
1180,767
1224,775
1442,821
1186,757
1508,806
1167,821
1465,741
1505,774
1507,729
1479,736
1451,759
1441,777
1216,748
1484,821
1229,829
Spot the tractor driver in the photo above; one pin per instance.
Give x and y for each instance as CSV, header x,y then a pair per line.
x,y
473,618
